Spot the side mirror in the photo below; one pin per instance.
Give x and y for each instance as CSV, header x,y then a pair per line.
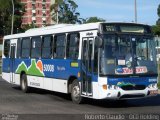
x,y
98,41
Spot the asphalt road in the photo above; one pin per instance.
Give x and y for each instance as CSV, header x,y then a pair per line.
x,y
42,103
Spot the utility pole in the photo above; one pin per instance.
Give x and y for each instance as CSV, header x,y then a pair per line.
x,y
12,16
135,8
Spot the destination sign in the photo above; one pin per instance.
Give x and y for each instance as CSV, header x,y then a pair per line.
x,y
110,28
133,29
126,28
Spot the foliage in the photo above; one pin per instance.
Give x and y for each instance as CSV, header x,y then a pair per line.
x,y
158,13
29,26
66,12
158,85
93,19
6,16
158,10
56,5
156,29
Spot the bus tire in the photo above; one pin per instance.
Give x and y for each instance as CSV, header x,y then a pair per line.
x,y
76,93
24,83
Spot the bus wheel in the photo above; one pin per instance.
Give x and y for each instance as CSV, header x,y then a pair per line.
x,y
24,85
76,93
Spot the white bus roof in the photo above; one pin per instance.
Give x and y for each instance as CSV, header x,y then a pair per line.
x,y
61,28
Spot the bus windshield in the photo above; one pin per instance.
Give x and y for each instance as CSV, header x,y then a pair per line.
x,y
127,55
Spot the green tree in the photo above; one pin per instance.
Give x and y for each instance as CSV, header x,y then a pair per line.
x,y
55,9
6,16
29,26
66,12
156,29
3,10
93,19
158,12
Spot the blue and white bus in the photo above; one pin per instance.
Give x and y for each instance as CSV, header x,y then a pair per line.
x,y
96,60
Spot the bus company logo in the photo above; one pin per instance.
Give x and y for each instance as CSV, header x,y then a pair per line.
x,y
119,70
36,68
89,34
40,65
124,71
120,84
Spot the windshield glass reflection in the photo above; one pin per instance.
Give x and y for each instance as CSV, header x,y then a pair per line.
x,y
127,54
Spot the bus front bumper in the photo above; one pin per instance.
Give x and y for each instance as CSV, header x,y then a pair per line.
x,y
129,94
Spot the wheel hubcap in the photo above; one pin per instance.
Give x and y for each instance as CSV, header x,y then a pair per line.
x,y
23,84
76,92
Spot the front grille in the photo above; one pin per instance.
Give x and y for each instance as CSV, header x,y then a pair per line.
x,y
131,87
132,96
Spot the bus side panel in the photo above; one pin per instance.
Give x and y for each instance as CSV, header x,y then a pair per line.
x,y
6,76
60,69
53,75
17,79
6,65
6,69
51,68
50,74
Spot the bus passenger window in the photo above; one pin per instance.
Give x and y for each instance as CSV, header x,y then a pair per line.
x,y
6,48
36,47
26,47
73,46
47,47
59,46
19,48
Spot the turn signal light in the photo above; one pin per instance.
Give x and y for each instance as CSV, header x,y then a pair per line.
x,y
79,75
104,87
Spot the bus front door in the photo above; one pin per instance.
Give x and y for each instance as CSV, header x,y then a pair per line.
x,y
87,53
12,60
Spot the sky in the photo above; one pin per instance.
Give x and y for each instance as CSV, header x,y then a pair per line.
x,y
119,10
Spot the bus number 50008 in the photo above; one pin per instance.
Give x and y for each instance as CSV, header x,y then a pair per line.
x,y
48,68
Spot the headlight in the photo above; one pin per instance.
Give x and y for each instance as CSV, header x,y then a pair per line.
x,y
150,86
113,87
110,87
154,85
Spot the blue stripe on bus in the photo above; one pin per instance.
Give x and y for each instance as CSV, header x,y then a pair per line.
x,y
62,68
6,65
136,81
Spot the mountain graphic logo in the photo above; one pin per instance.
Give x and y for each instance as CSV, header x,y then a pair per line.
x,y
40,65
36,68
